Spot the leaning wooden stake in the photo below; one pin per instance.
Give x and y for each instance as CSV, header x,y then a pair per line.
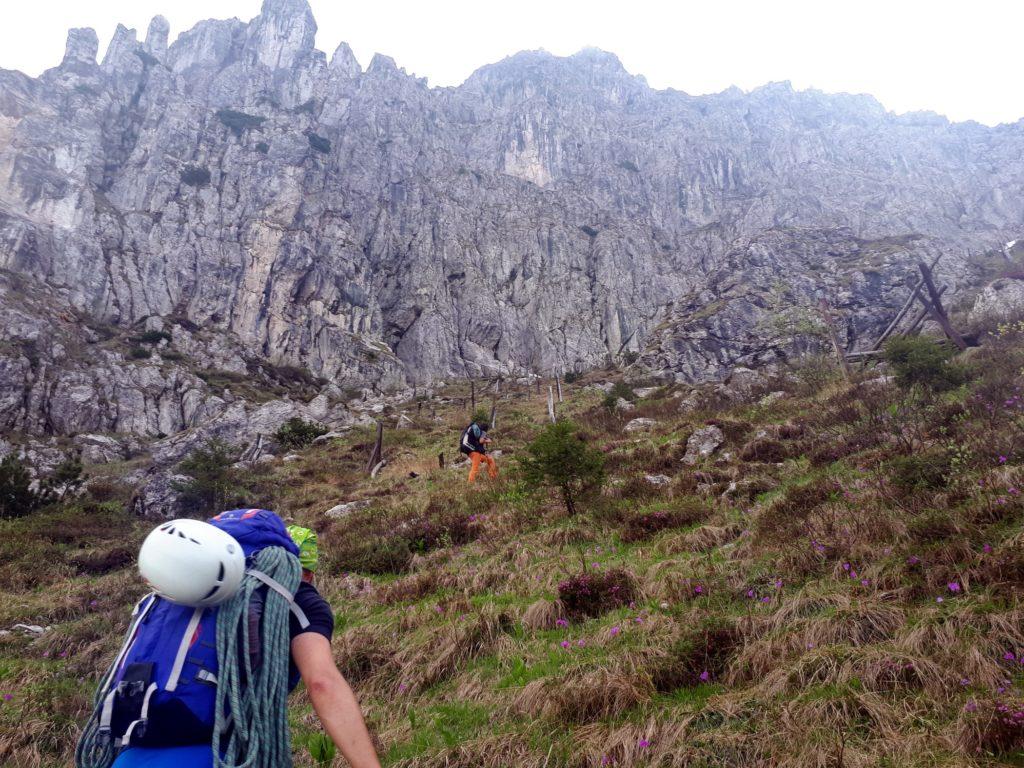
x,y
551,404
558,383
826,315
472,395
494,413
919,318
440,460
936,309
375,454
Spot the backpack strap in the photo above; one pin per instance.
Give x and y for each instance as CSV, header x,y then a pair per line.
x,y
139,614
280,589
183,646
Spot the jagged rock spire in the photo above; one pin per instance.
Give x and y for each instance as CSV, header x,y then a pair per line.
x,y
82,46
124,43
156,36
284,32
344,61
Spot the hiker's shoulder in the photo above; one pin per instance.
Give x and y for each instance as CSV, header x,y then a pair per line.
x,y
317,610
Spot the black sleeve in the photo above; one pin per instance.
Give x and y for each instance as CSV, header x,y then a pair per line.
x,y
317,610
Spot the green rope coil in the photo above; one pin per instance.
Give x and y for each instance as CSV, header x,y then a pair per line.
x,y
258,719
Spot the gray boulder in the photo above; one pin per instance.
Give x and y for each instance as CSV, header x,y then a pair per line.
x,y
702,443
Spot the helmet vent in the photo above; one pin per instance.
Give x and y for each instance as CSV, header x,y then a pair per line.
x,y
212,592
220,574
194,541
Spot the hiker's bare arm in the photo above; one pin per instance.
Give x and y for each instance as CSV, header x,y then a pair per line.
x,y
333,700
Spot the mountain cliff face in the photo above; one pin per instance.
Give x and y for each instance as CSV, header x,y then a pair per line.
x,y
236,202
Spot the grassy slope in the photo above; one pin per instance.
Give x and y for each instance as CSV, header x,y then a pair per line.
x,y
793,621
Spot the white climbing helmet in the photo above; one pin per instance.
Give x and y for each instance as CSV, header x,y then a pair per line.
x,y
192,563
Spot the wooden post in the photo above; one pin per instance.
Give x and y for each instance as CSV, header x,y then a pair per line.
x,y
919,318
472,395
558,383
937,310
375,454
440,460
538,385
551,404
826,315
899,316
494,409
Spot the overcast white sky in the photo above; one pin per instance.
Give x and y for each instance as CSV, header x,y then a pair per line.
x,y
961,58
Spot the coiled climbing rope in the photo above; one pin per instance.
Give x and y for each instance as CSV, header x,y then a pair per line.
x,y
253,704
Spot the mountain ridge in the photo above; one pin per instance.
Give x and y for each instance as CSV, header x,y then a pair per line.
x,y
236,190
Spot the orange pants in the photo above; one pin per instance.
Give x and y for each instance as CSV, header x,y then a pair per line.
x,y
476,458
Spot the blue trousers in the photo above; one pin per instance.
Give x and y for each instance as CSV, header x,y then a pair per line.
x,y
196,756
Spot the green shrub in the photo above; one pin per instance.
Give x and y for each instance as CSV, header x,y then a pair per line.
x,y
319,143
65,480
572,377
194,176
17,497
619,390
298,433
623,390
920,472
918,360
213,483
138,353
239,122
560,459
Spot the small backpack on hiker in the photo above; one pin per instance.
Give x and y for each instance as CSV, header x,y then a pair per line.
x,y
472,440
208,650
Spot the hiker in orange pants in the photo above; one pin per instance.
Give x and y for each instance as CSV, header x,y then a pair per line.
x,y
476,457
474,444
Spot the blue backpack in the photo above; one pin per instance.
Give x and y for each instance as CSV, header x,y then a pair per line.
x,y
161,689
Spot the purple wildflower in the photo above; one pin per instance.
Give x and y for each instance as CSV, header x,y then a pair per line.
x,y
615,630
704,676
954,586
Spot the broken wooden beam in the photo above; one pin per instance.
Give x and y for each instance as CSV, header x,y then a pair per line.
x,y
826,315
937,310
